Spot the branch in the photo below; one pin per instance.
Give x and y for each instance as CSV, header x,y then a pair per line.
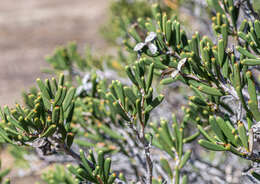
x,y
248,10
70,152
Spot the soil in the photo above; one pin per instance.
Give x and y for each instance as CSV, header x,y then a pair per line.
x,y
29,30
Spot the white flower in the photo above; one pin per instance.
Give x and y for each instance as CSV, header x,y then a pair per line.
x,y
139,47
152,48
151,37
180,65
148,42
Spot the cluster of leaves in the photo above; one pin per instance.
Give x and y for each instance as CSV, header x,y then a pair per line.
x,y
90,170
59,175
172,140
124,13
49,112
214,71
98,172
67,59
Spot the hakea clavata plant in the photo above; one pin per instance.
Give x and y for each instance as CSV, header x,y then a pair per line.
x,y
224,108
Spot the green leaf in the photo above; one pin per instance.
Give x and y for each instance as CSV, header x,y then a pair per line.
x,y
101,161
139,109
75,172
68,99
185,158
150,76
210,90
243,134
205,134
237,78
253,102
111,178
58,95
191,138
226,129
164,20
166,133
119,109
251,62
224,32
56,115
168,32
131,75
50,131
221,52
185,179
166,167
130,94
180,148
43,89
197,100
61,80
245,52
211,146
178,33
48,87
119,91
167,81
257,25
154,103
177,136
164,145
216,128
107,166
62,97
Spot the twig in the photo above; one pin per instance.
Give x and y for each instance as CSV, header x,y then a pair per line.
x,y
144,142
70,152
248,10
149,163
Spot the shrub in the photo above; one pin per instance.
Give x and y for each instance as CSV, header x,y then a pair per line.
x,y
110,120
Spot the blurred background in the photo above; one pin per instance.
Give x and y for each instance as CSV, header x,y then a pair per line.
x,y
29,30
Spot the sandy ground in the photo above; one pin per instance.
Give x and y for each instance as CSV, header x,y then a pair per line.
x,y
30,29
